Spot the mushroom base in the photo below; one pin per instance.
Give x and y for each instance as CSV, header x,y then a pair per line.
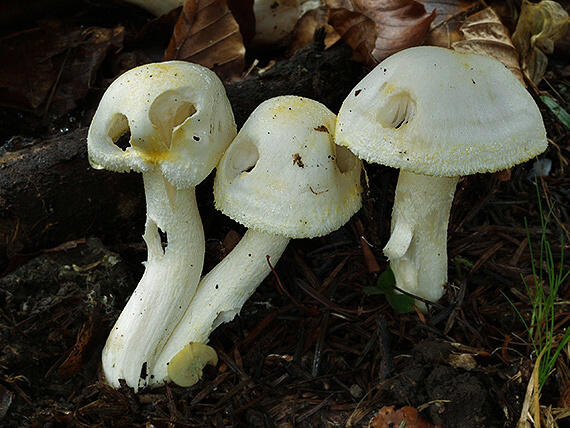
x,y
417,248
222,293
166,288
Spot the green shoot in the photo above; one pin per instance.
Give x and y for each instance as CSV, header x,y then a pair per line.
x,y
386,285
562,115
543,293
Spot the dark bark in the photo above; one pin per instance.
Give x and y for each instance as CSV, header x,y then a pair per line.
x,y
323,75
49,194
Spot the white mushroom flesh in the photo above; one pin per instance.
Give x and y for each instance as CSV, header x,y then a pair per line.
x,y
417,248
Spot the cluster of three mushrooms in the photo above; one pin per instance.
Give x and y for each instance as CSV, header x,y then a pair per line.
x,y
433,113
282,177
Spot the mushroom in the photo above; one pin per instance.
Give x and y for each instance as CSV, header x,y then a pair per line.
x,y
282,177
276,19
180,122
436,115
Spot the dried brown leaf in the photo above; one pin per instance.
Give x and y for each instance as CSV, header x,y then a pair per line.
x,y
74,361
306,26
357,31
400,24
407,416
463,361
450,14
377,29
369,258
207,34
539,27
485,34
86,337
503,175
340,4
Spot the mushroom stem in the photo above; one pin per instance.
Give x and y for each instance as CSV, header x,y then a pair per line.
x,y
417,248
166,287
221,294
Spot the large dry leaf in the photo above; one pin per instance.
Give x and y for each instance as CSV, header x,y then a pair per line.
x,y
451,14
357,31
339,21
484,34
207,34
400,24
376,29
539,27
307,25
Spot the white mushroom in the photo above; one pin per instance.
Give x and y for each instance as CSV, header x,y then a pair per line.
x,y
276,19
180,122
282,177
436,115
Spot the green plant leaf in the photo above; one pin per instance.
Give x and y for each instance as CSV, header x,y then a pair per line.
x,y
541,325
385,285
386,282
372,290
400,302
562,115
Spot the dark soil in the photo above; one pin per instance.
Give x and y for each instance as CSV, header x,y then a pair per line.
x,y
309,349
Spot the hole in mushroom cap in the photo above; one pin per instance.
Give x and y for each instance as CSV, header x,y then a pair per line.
x,y
397,110
119,131
345,159
168,111
242,157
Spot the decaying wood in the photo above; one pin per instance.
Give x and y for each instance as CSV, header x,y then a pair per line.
x,y
324,75
50,194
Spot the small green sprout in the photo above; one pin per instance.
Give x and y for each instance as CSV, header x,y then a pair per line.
x,y
386,284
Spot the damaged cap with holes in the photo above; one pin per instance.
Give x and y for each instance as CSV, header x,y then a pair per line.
x,y
170,121
282,177
436,115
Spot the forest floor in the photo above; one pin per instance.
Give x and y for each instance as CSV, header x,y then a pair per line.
x,y
310,348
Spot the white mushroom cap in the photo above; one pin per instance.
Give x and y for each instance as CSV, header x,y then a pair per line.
x,y
284,175
179,118
433,111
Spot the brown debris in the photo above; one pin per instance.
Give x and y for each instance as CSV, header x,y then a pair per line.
x,y
207,34
48,69
309,349
388,417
